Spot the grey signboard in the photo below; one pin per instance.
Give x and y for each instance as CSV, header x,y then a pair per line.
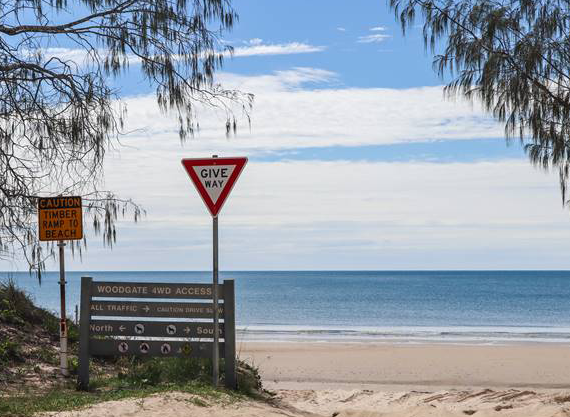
x,y
152,309
142,328
128,335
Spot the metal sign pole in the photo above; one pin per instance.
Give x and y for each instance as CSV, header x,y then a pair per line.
x,y
216,352
62,321
214,178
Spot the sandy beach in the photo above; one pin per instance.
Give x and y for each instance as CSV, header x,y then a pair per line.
x,y
384,380
397,366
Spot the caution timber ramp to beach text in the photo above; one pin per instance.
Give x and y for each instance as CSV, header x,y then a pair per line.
x,y
127,332
60,218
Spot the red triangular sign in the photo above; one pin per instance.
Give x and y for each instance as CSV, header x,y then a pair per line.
x,y
214,178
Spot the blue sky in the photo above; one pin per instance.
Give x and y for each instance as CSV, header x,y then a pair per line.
x,y
360,41
356,161
344,30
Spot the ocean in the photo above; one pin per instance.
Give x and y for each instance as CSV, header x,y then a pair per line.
x,y
490,307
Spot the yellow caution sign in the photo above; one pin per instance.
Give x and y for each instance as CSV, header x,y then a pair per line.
x,y
60,218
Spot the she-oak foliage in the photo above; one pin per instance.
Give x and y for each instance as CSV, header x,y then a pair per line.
x,y
58,116
513,56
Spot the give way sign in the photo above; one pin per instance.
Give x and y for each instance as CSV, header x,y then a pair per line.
x,y
214,178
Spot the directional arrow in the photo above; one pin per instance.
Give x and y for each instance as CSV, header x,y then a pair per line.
x,y
152,309
153,328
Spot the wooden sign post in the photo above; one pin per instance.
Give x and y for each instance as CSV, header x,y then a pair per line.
x,y
135,336
61,219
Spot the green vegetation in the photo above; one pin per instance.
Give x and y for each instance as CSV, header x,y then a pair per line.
x,y
9,351
175,370
249,380
135,373
512,57
69,399
16,308
138,379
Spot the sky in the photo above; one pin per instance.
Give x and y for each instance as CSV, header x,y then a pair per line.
x,y
356,161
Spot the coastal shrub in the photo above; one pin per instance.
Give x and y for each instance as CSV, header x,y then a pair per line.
x,y
187,369
248,378
72,333
139,373
51,324
16,301
9,315
17,308
73,365
169,370
10,351
45,354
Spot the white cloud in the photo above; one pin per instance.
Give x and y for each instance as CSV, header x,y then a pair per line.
x,y
276,49
255,47
289,113
378,29
75,55
330,215
341,29
377,38
82,56
254,41
290,80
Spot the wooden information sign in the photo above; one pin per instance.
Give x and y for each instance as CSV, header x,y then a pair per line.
x,y
60,218
135,336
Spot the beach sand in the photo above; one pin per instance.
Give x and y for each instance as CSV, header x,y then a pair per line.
x,y
384,380
395,366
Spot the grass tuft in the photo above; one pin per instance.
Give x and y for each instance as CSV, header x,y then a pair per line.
x,y
197,401
10,351
248,379
141,373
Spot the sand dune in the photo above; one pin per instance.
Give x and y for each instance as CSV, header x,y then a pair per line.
x,y
346,403
176,404
486,402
